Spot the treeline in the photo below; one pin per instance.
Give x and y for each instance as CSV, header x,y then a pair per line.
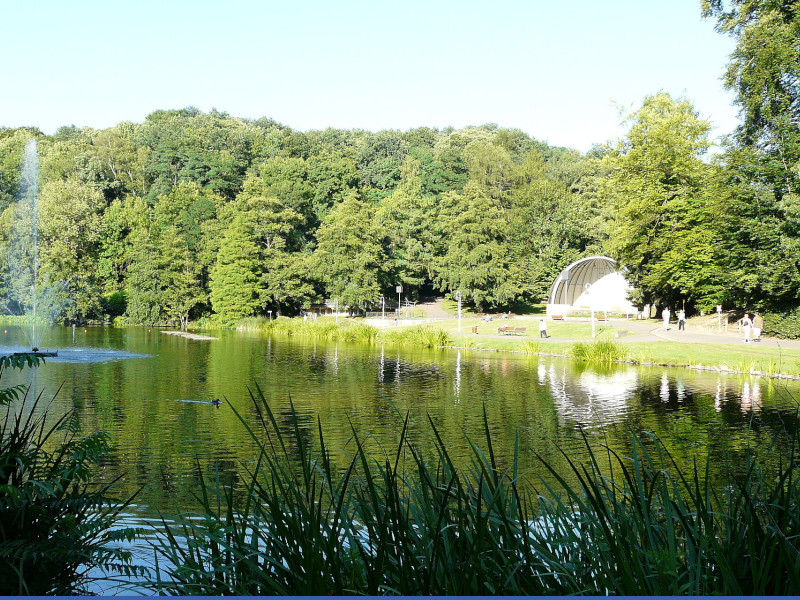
x,y
192,215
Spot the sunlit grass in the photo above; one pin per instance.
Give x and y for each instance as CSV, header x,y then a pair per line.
x,y
601,351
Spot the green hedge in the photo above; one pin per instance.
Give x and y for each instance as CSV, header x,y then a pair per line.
x,y
783,324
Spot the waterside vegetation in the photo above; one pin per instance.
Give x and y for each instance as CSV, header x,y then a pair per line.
x,y
56,524
417,525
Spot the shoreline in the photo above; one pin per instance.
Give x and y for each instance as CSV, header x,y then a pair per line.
x,y
707,368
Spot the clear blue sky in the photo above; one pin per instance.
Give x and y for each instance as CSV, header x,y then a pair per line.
x,y
557,70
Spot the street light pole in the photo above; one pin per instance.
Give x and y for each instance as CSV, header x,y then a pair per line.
x,y
399,289
383,309
336,300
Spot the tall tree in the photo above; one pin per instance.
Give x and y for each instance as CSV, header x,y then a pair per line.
x,y
762,164
764,72
663,200
478,260
350,257
406,217
234,277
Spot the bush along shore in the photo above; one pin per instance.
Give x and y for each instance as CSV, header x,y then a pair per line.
x,y
390,521
348,330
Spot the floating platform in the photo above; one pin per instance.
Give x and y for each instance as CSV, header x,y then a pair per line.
x,y
38,353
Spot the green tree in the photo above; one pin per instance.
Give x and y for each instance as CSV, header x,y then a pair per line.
x,y
70,216
235,276
406,218
664,199
350,257
266,274
764,72
477,260
762,163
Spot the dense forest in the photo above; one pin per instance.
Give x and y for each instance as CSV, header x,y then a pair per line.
x,y
205,216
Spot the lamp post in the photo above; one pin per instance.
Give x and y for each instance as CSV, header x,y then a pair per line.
x,y
383,309
719,316
336,301
270,316
458,297
399,289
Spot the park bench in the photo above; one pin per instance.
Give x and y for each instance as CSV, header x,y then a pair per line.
x,y
505,330
557,317
519,331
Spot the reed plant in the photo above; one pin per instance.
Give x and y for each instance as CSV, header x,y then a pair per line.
x,y
530,347
600,351
420,336
56,525
392,521
345,330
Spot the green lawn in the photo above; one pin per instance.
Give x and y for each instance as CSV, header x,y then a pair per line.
x,y
558,329
736,358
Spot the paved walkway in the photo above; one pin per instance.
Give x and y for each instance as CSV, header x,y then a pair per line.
x,y
645,331
651,331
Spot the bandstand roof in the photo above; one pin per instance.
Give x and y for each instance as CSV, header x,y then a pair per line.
x,y
572,286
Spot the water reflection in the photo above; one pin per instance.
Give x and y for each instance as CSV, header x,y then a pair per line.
x,y
590,398
458,376
160,443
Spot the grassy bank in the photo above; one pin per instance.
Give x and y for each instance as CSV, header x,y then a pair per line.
x,y
350,330
416,525
752,359
573,340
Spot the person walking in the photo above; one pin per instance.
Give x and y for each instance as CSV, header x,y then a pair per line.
x,y
681,320
665,315
758,325
747,325
542,328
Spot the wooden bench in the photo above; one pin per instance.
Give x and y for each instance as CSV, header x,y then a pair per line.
x,y
519,331
557,317
505,330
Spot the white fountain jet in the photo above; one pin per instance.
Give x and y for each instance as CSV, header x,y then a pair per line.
x,y
23,294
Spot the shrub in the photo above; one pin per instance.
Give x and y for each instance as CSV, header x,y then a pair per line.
x,y
601,351
419,336
55,524
783,324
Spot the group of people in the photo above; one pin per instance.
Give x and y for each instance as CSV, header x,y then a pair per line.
x,y
665,315
751,328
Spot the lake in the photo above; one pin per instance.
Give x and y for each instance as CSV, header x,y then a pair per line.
x,y
152,393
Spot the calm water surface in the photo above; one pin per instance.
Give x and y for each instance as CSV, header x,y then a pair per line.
x,y
152,393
